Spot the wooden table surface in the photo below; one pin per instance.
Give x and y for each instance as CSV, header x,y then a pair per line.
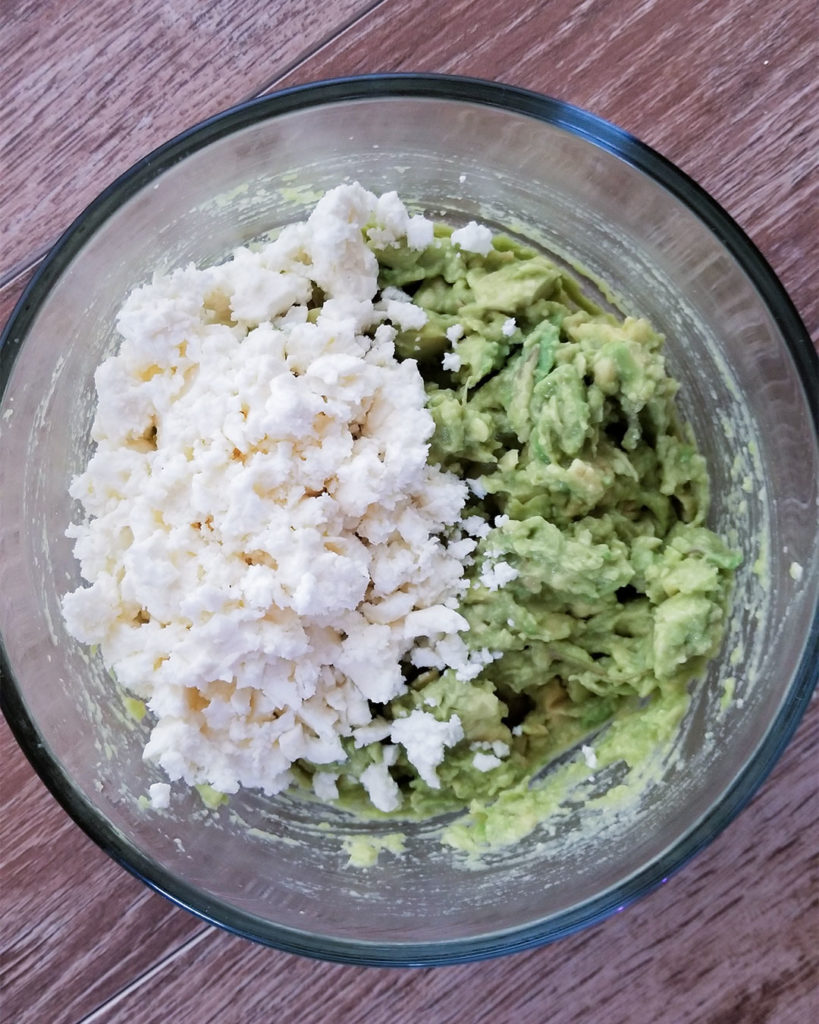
x,y
728,90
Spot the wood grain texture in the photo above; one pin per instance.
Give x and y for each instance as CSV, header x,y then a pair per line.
x,y
698,951
727,91
52,915
88,89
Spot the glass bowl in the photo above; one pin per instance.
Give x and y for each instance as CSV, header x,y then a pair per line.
x,y
276,870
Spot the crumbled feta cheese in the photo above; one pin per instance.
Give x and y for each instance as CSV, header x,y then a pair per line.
x,y
454,333
475,526
265,541
497,747
589,755
394,223
473,237
509,327
325,785
375,731
473,662
381,787
451,361
486,762
425,738
795,571
405,315
420,232
391,292
495,575
160,795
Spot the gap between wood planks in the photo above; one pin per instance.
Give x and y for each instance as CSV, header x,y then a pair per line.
x,y
96,1015
322,44
31,263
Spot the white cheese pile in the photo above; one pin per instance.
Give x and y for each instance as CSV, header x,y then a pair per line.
x,y
265,542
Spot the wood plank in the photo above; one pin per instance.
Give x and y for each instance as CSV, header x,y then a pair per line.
x,y
72,922
712,86
88,89
731,939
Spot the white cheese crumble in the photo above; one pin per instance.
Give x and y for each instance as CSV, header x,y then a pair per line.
x,y
486,762
381,787
589,756
425,738
795,571
489,755
475,664
473,237
509,327
375,731
475,526
265,542
451,361
325,785
454,333
497,747
160,795
495,575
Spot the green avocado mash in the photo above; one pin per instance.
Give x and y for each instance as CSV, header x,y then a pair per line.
x,y
594,495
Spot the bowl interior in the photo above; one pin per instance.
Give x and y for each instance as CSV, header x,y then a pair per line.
x,y
277,869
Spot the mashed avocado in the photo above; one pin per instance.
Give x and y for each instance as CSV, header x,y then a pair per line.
x,y
595,585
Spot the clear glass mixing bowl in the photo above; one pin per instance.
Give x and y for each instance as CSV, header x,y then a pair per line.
x,y
580,188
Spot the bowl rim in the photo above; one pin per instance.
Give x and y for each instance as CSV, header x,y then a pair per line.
x,y
604,135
